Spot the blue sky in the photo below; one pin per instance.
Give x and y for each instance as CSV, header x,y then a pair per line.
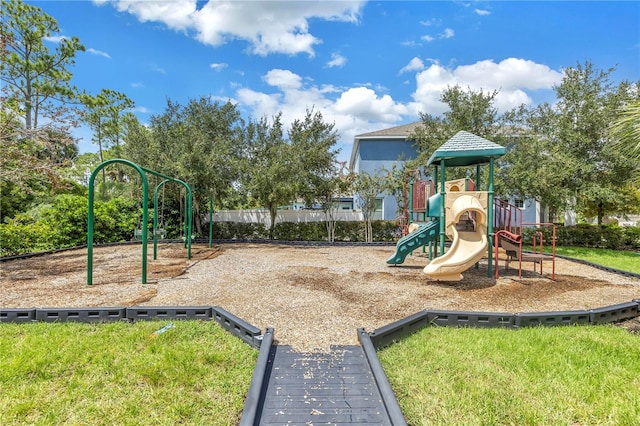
x,y
366,65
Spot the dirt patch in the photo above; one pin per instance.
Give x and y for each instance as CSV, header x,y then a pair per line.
x,y
314,297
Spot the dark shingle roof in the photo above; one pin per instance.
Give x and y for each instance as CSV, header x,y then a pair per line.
x,y
397,131
465,149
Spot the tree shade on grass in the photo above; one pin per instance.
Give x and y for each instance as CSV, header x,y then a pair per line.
x,y
117,373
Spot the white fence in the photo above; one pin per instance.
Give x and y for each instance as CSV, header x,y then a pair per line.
x,y
299,216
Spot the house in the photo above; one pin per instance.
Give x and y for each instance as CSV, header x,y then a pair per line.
x,y
377,151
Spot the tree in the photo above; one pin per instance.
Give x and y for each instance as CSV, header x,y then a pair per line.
x,y
104,113
328,193
35,117
319,177
587,103
368,187
536,166
36,79
199,143
625,134
270,167
472,111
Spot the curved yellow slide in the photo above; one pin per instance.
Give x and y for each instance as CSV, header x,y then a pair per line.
x,y
467,247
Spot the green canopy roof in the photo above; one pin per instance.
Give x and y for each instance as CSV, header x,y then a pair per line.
x,y
466,149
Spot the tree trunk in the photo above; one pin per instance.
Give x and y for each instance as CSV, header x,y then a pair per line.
x,y
600,214
197,219
273,211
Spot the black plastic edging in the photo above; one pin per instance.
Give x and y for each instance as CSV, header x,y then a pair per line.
x,y
136,313
239,327
384,387
470,319
389,333
402,328
206,241
254,401
17,315
552,318
614,313
80,314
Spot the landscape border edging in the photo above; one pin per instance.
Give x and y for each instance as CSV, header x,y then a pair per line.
x,y
397,330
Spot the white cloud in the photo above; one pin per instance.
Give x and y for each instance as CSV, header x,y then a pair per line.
x,y
268,27
363,108
364,103
141,110
511,76
414,64
283,79
218,67
56,39
430,22
137,85
176,14
98,52
337,60
447,33
481,12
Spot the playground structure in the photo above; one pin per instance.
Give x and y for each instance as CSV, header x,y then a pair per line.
x,y
145,214
477,224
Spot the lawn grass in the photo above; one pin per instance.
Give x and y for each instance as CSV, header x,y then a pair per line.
x,y
116,373
578,375
623,260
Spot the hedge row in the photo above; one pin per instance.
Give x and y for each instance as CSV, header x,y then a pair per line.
x,y
17,238
612,237
312,231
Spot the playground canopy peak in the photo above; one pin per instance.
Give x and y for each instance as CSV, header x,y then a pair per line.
x,y
466,149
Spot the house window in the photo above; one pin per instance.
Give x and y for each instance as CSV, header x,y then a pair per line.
x,y
379,208
519,204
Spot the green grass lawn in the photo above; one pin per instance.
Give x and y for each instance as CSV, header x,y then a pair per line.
x,y
588,375
624,260
116,373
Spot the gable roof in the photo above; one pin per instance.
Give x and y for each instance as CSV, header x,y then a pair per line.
x,y
465,149
397,132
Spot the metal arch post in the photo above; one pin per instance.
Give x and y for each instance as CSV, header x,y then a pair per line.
x,y
442,213
490,221
155,218
189,204
189,219
91,216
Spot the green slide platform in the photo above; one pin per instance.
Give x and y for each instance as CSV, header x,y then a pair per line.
x,y
426,232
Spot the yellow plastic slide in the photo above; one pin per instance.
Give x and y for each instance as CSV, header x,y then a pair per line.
x,y
467,246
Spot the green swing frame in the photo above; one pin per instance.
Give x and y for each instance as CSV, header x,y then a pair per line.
x,y
145,213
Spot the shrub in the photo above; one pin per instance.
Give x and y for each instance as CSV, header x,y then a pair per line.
x,y
115,220
611,236
20,238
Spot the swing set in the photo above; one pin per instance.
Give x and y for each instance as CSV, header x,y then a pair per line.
x,y
145,214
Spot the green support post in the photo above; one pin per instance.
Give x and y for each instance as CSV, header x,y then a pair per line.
x,y
155,218
490,220
91,217
478,188
145,213
442,214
